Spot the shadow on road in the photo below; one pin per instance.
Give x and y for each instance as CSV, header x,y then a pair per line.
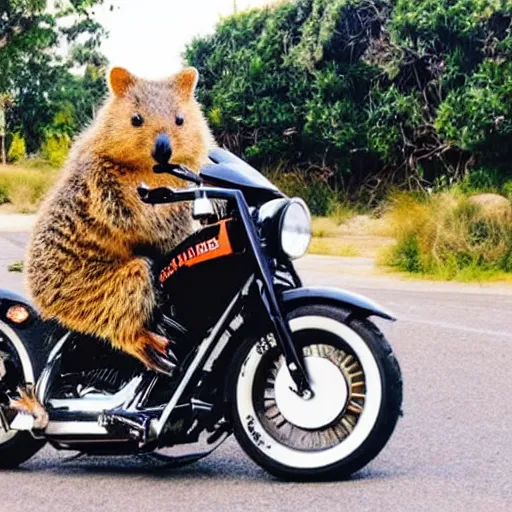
x,y
215,469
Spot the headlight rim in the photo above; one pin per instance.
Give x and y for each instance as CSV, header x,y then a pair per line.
x,y
282,215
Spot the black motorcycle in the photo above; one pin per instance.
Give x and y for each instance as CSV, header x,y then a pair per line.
x,y
307,383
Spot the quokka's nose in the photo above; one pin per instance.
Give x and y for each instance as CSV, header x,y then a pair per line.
x,y
162,151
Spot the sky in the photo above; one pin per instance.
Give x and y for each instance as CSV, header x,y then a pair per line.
x,y
148,36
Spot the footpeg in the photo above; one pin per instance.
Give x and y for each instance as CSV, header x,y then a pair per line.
x,y
219,429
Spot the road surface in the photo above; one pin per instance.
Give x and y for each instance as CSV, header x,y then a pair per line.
x,y
451,451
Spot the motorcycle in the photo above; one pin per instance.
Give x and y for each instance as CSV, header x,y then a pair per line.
x,y
306,382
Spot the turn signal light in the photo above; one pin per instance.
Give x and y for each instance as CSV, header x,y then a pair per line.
x,y
17,314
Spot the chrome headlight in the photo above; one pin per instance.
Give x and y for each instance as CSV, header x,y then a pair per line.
x,y
295,229
286,226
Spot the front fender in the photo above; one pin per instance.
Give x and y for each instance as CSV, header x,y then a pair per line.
x,y
336,296
32,339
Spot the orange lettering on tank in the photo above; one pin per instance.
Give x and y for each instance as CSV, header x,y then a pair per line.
x,y
215,247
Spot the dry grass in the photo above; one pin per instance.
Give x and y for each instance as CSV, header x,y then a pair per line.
x,y
449,236
23,187
358,235
324,227
333,247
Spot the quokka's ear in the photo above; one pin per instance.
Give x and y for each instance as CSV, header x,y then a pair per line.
x,y
119,80
186,81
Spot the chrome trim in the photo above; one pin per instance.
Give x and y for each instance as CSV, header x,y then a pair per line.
x,y
65,428
44,378
26,364
226,336
94,402
201,448
158,425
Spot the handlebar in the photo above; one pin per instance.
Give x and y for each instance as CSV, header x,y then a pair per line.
x,y
180,171
166,195
159,195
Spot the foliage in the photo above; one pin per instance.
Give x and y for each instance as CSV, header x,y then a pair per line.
x,y
45,85
15,267
17,149
507,189
364,94
55,149
479,117
449,235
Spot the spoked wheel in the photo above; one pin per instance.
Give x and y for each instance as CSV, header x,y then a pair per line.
x,y
357,396
15,447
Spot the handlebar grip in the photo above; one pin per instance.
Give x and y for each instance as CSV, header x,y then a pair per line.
x,y
180,171
159,195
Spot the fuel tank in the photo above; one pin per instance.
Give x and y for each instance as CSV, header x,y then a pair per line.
x,y
198,279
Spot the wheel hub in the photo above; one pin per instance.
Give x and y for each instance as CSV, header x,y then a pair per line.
x,y
330,394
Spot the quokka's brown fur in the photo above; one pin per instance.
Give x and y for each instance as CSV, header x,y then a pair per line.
x,y
81,267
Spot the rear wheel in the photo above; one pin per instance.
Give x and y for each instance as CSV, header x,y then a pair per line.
x,y
357,388
15,447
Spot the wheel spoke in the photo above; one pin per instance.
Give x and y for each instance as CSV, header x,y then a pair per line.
x,y
335,431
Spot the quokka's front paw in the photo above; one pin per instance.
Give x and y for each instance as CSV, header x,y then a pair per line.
x,y
153,351
29,403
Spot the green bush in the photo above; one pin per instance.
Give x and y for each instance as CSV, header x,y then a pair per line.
x,y
478,116
405,255
55,149
450,236
507,189
320,197
370,94
17,150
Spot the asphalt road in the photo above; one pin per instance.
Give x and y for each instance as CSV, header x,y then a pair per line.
x,y
451,451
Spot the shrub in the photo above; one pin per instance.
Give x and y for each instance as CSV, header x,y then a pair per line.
x,y
450,236
481,179
25,188
478,115
55,149
507,189
320,197
17,150
371,93
3,192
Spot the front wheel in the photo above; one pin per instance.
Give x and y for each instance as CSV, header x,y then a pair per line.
x,y
357,400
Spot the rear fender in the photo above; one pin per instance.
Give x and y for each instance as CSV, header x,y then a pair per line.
x,y
353,302
33,339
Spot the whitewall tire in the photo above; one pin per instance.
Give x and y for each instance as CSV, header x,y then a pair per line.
x,y
357,398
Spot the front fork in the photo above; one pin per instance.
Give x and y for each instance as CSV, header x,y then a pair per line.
x,y
294,359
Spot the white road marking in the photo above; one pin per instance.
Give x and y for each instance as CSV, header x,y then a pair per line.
x,y
448,325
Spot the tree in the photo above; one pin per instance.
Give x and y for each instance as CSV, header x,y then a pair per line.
x,y
5,101
44,84
367,93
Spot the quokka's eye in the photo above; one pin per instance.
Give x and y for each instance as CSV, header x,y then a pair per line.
x,y
137,120
179,120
